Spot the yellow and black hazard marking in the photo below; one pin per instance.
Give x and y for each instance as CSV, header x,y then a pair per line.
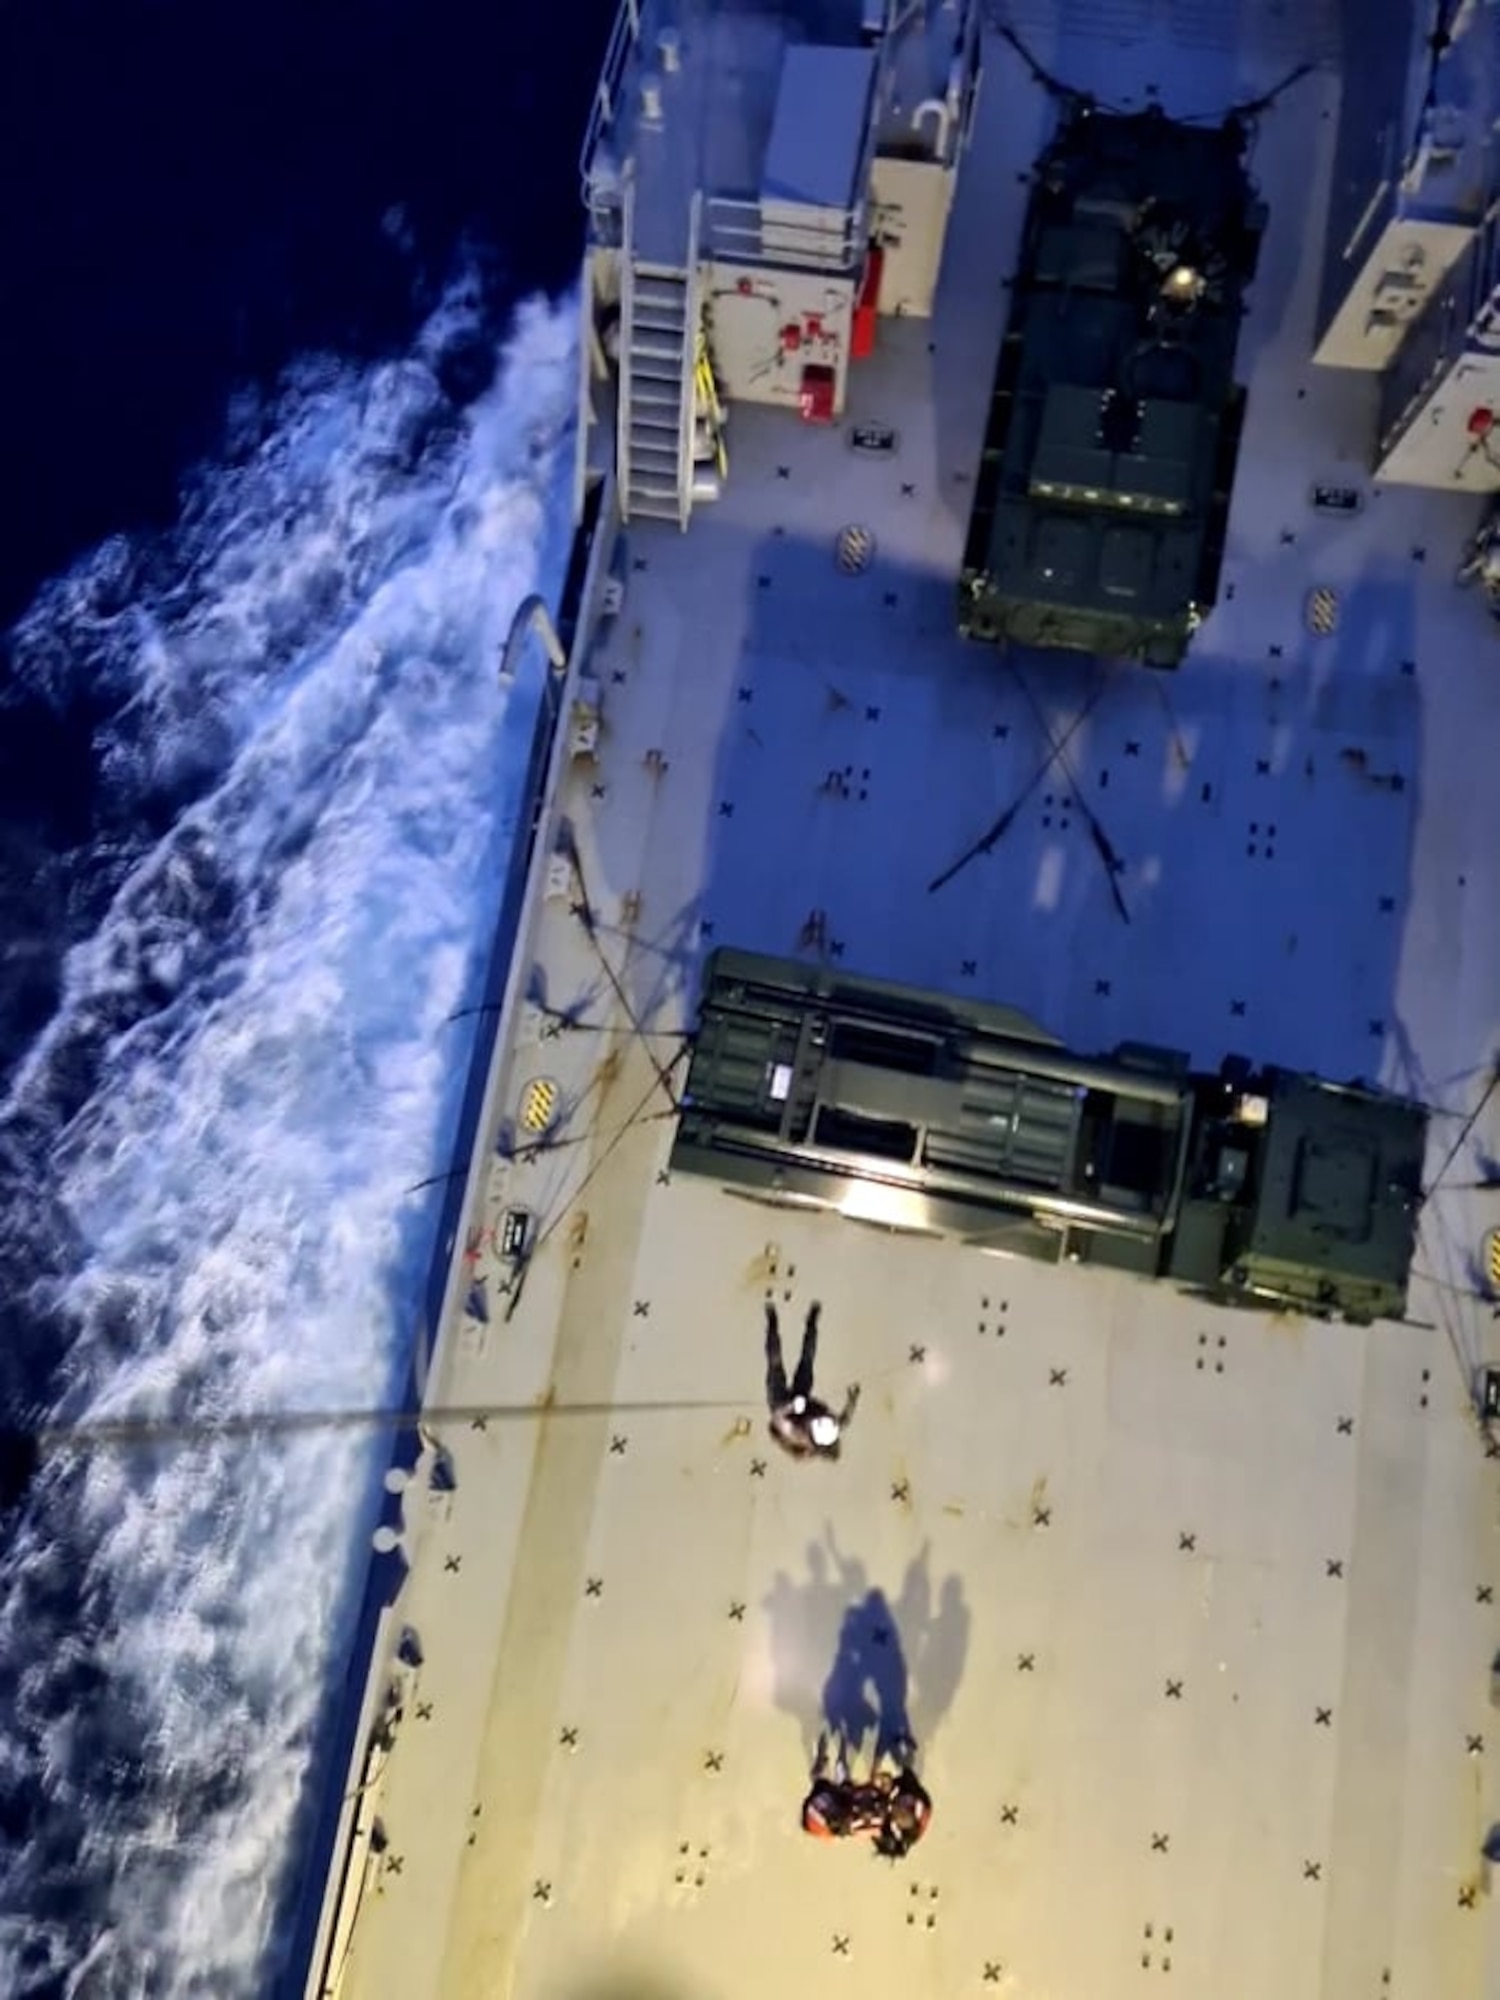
x,y
709,406
539,1102
1492,1261
1323,612
855,547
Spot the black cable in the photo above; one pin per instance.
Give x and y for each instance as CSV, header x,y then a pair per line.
x,y
583,910
639,1116
1252,110
1467,1127
1002,826
1063,92
1247,113
23,1451
1104,847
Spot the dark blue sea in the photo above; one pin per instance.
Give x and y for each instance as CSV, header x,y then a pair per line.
x,y
287,366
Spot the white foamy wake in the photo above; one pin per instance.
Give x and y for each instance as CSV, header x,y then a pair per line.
x,y
270,1068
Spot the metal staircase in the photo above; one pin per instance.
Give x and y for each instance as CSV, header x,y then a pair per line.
x,y
658,352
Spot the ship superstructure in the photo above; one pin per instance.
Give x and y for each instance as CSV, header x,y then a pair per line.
x,y
1191,1614
754,204
1411,277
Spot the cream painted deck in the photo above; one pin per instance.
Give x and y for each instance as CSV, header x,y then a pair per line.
x,y
1194,1612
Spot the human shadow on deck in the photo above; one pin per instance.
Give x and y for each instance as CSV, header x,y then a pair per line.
x,y
895,1666
866,1688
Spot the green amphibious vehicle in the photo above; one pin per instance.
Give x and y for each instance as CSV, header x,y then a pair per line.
x,y
1114,425
964,1119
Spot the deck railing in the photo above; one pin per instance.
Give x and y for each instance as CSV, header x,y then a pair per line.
x,y
622,40
735,230
315,1927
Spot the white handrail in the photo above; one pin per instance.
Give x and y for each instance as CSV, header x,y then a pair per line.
x,y
627,318
623,38
736,226
687,393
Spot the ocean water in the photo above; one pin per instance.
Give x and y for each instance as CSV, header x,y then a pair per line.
x,y
291,313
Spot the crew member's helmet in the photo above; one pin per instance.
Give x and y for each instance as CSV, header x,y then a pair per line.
x,y
824,1430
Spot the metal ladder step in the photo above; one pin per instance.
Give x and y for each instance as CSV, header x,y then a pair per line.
x,y
650,495
655,350
654,436
671,300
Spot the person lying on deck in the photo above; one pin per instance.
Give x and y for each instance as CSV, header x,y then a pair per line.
x,y
891,1809
829,1812
801,1424
908,1813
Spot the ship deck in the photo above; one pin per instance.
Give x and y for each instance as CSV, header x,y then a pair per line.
x,y
1191,1613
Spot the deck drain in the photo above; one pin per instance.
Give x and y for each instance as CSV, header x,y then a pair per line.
x,y
1323,612
855,547
539,1102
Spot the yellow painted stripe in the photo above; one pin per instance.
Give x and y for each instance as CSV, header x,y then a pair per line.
x,y
708,391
